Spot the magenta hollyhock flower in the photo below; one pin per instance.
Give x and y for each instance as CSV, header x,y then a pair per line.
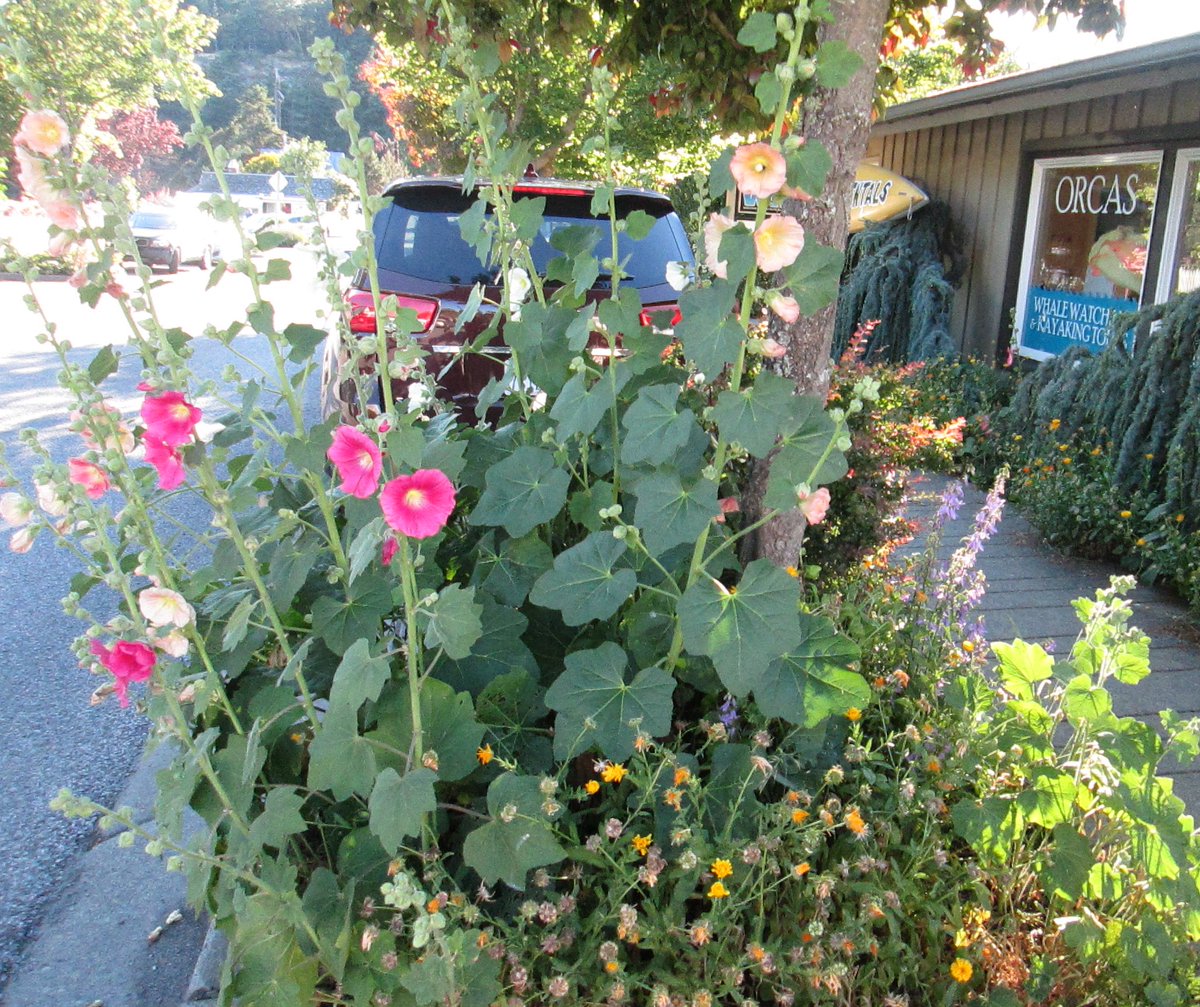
x,y
170,418
418,505
358,461
126,662
388,552
92,478
168,462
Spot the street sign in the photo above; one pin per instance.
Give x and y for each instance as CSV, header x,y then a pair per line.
x,y
278,182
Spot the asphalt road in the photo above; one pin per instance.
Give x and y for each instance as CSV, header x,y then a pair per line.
x,y
50,737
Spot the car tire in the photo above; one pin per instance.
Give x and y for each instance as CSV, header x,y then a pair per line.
x,y
206,259
173,265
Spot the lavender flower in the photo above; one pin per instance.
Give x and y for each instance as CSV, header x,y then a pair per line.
x,y
728,714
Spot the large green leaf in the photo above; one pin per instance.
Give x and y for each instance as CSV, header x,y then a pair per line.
x,y
757,416
596,706
509,573
340,623
1070,864
448,727
498,651
539,339
736,250
580,407
758,31
524,490
280,818
655,427
585,584
668,513
454,622
807,456
339,760
709,332
744,628
837,63
807,167
517,839
1049,799
399,804
814,277
359,677
991,826
813,680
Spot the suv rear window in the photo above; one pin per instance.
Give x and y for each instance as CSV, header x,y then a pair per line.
x,y
419,235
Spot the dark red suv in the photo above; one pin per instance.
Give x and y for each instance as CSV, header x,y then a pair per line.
x,y
425,262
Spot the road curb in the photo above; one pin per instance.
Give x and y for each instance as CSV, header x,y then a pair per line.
x,y
205,984
41,277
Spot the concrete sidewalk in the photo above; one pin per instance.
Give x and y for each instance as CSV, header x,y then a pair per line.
x,y
1030,587
92,948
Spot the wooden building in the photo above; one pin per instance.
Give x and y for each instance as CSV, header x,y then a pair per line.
x,y
1075,189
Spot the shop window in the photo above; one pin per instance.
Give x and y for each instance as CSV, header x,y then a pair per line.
x,y
1086,238
1180,273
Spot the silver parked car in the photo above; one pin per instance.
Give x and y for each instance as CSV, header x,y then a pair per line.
x,y
168,236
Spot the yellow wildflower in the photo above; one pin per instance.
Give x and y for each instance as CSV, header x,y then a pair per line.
x,y
968,646
855,822
718,891
1149,456
1095,452
1055,424
611,967
793,572
1179,519
614,772
721,868
1125,515
1066,461
961,970
592,786
934,766
801,869
641,844
792,797
673,799
799,816
682,775
484,755
853,714
1140,542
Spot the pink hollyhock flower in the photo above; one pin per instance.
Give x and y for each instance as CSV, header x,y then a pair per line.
x,y
112,433
758,170
773,349
15,510
168,462
92,478
814,506
785,306
388,552
358,461
777,242
21,540
170,418
418,505
163,607
43,132
62,213
126,662
78,279
717,225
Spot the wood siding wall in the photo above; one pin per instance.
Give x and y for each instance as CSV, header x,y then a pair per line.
x,y
982,167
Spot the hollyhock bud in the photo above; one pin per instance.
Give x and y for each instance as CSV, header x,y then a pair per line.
x,y
358,461
388,552
163,607
21,540
174,644
43,132
418,505
773,349
785,306
814,506
15,510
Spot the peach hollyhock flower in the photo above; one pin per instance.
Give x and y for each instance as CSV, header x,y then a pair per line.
x,y
784,306
772,349
21,540
758,170
15,510
777,242
31,175
358,461
717,225
43,132
62,214
167,461
126,662
91,477
170,418
418,505
174,644
814,506
163,607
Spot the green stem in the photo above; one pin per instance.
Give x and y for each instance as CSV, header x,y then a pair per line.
x,y
408,583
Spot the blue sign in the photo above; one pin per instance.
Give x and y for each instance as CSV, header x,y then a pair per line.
x,y
1055,321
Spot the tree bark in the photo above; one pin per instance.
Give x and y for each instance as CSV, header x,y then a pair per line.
x,y
840,119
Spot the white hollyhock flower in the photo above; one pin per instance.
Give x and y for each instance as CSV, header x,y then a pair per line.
x,y
15,510
679,275
163,607
50,501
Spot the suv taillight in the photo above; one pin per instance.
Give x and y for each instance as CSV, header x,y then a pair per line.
x,y
647,315
362,310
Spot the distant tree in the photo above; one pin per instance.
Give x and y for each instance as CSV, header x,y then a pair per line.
x,y
940,64
128,140
253,125
304,158
262,164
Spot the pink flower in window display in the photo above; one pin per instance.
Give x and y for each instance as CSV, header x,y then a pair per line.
x,y
777,242
167,461
91,477
758,170
357,460
43,132
418,505
126,662
814,506
170,418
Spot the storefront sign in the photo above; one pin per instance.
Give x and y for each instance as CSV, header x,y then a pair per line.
x,y
1055,321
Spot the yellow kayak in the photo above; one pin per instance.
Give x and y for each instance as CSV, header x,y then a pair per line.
x,y
879,194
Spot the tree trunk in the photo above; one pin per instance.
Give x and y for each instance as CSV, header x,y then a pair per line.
x,y
840,119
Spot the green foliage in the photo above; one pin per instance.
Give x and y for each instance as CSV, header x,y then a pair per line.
x,y
252,127
262,164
